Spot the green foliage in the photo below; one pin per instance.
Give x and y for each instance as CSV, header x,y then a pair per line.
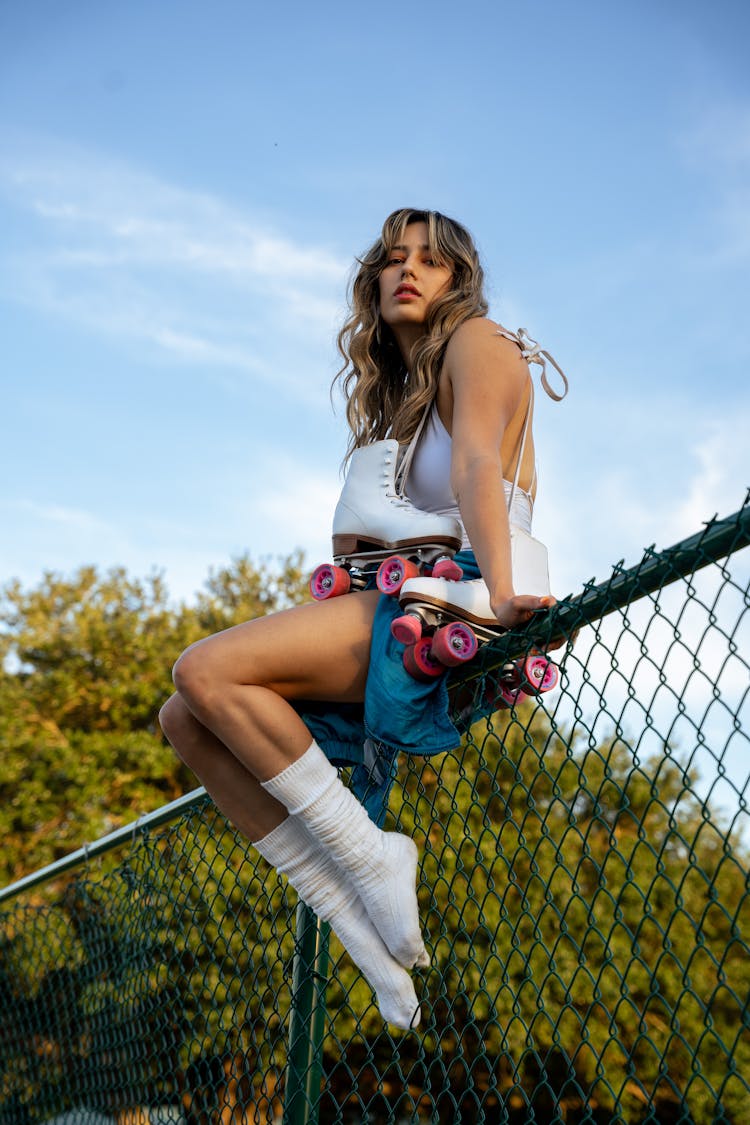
x,y
246,590
85,664
584,916
586,909
586,919
139,984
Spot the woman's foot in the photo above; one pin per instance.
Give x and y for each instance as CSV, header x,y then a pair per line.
x,y
380,867
393,987
320,883
387,887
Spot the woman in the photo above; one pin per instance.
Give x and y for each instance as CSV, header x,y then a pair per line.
x,y
418,335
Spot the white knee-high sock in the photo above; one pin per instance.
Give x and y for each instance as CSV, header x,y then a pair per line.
x,y
320,884
382,866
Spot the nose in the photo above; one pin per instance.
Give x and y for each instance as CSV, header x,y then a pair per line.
x,y
407,267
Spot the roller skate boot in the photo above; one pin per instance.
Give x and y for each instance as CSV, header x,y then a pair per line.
x,y
378,533
443,625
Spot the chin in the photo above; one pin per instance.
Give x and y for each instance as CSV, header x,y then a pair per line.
x,y
405,316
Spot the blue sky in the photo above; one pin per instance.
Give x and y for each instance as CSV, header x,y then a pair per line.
x,y
183,188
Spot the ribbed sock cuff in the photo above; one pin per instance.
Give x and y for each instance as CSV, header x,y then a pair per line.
x,y
304,782
284,843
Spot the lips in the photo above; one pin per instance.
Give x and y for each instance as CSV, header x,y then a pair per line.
x,y
407,291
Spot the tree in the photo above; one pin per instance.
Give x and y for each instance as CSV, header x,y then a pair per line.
x,y
85,665
585,910
582,912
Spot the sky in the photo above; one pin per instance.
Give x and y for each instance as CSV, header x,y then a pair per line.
x,y
184,188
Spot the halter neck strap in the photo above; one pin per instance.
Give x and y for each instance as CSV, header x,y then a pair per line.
x,y
533,352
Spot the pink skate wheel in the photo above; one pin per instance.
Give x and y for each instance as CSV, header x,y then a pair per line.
x,y
393,572
447,568
454,644
329,581
539,674
407,630
420,663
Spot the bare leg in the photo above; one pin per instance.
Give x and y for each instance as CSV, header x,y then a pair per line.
x,y
237,684
286,845
217,701
238,687
234,790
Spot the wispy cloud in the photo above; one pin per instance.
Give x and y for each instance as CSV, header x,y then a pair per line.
x,y
55,536
639,488
721,131
121,252
73,519
294,505
137,217
721,474
289,506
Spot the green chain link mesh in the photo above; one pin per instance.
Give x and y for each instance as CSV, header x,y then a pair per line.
x,y
584,890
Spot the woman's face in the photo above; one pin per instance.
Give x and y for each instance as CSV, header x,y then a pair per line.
x,y
410,280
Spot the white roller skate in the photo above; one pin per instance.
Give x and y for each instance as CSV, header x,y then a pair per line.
x,y
378,532
443,625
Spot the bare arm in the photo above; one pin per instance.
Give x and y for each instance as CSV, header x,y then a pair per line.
x,y
487,378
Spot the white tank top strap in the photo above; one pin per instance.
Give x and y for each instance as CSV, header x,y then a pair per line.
x,y
407,456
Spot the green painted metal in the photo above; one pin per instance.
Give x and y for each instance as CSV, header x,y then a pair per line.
x,y
307,1019
128,833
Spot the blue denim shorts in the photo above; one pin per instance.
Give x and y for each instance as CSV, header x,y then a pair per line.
x,y
400,715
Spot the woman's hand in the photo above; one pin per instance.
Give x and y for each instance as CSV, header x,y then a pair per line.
x,y
518,610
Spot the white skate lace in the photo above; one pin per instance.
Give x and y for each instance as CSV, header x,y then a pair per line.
x,y
397,498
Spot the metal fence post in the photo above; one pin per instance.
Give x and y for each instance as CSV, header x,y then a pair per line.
x,y
307,1020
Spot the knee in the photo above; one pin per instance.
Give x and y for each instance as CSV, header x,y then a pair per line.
x,y
174,721
181,729
194,679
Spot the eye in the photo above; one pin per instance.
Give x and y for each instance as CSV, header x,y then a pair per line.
x,y
395,259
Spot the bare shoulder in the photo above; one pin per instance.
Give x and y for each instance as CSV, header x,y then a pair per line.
x,y
477,348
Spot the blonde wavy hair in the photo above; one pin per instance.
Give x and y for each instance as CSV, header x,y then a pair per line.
x,y
383,399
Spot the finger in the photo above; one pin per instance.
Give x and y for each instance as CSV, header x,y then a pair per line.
x,y
530,603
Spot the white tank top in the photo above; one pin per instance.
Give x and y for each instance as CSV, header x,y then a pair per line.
x,y
428,484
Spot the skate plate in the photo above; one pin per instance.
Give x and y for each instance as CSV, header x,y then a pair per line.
x,y
384,568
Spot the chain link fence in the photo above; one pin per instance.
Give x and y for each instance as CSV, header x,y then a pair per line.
x,y
583,888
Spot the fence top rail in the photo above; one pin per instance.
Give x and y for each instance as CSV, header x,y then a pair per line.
x,y
128,832
656,569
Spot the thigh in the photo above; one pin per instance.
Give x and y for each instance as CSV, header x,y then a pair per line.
x,y
317,651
